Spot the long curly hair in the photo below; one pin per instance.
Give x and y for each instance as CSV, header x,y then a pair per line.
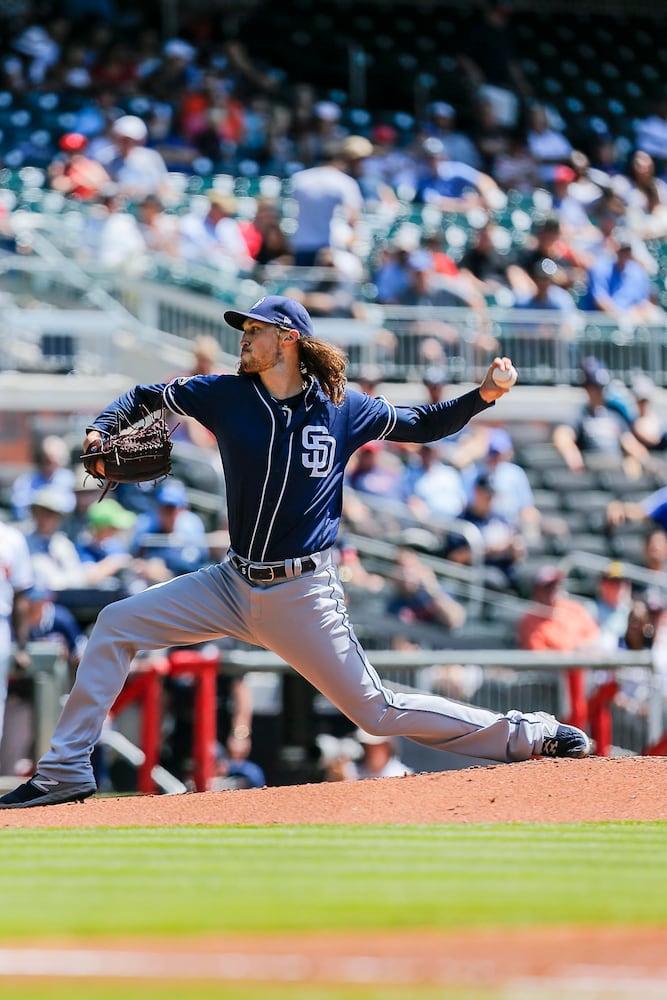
x,y
327,363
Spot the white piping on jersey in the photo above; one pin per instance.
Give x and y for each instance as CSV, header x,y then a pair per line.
x,y
280,498
268,471
169,399
391,419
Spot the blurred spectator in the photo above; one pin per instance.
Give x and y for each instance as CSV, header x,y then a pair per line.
x,y
160,230
75,174
434,380
51,468
488,59
646,198
612,605
327,191
432,488
215,237
572,215
136,169
373,470
503,546
547,242
549,146
560,623
651,132
600,429
55,560
418,596
515,167
621,287
647,426
389,169
453,186
379,758
459,147
490,270
549,293
104,548
171,539
53,622
651,508
112,238
491,137
16,579
264,237
513,497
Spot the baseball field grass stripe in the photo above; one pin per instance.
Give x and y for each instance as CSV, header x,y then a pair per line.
x,y
190,880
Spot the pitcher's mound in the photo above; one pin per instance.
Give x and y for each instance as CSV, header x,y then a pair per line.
x,y
537,791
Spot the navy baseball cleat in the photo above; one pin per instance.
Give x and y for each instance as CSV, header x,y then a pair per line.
x,y
43,791
568,741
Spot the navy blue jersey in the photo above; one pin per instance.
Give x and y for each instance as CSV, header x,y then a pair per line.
x,y
284,470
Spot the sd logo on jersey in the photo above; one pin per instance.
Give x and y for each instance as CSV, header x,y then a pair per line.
x,y
319,450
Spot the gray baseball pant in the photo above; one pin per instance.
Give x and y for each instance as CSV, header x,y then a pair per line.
x,y
303,619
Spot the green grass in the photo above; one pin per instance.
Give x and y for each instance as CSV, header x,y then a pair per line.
x,y
197,991
189,880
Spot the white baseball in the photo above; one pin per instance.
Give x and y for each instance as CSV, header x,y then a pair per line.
x,y
504,378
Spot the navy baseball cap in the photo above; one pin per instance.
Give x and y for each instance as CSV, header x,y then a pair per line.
x,y
279,309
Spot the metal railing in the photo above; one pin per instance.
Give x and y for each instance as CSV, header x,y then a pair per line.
x,y
160,313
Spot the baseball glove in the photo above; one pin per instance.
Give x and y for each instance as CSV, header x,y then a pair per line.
x,y
134,455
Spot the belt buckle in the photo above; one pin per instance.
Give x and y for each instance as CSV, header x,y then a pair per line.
x,y
263,569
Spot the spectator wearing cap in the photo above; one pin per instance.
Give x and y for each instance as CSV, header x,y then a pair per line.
x,y
502,545
600,429
575,222
53,622
441,124
388,168
323,192
215,238
620,287
74,173
452,186
55,560
171,539
513,498
417,595
137,170
547,241
613,597
558,622
379,757
104,547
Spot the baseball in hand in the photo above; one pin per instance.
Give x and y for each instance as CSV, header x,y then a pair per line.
x,y
505,379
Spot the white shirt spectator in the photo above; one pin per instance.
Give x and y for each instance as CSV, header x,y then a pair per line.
x,y
318,192
16,576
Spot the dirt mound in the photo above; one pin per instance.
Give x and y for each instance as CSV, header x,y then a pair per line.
x,y
537,791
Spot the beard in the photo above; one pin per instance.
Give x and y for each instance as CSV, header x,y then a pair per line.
x,y
249,365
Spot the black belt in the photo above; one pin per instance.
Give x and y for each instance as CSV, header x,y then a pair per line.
x,y
268,572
